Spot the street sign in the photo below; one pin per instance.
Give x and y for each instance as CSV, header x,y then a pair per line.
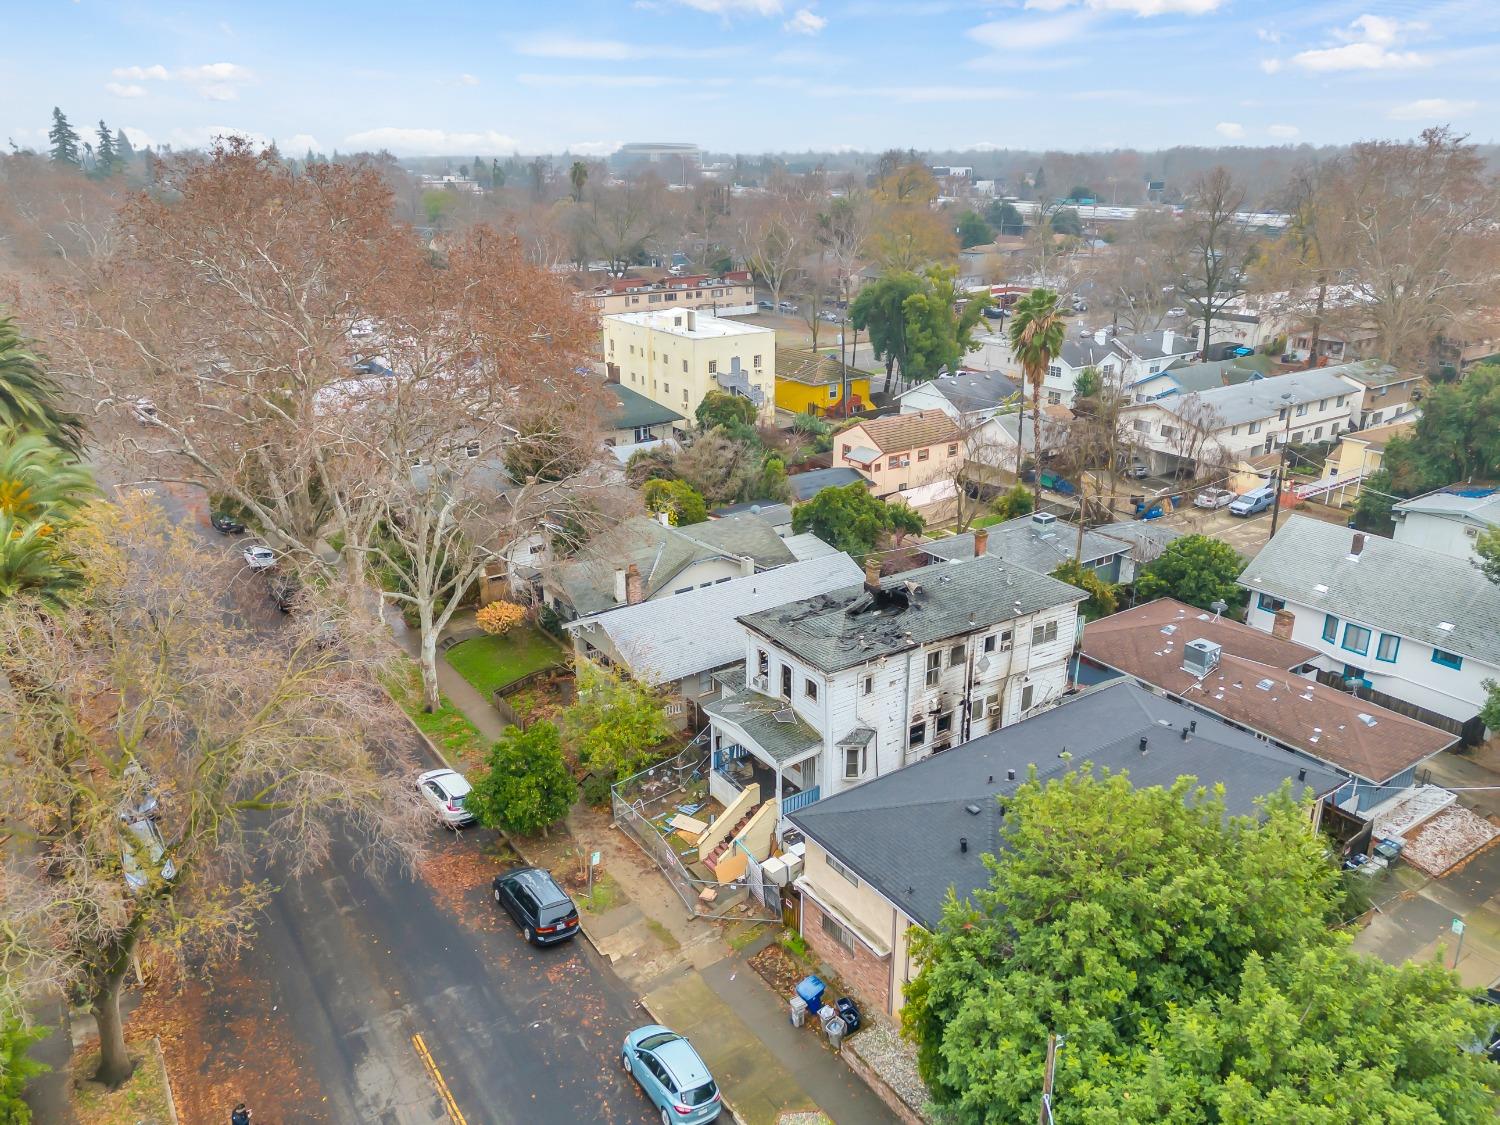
x,y
594,862
1458,925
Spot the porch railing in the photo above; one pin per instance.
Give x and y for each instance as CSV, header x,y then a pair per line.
x,y
799,800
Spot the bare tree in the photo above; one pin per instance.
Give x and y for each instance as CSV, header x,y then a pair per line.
x,y
158,753
775,241
1132,276
623,220
1213,248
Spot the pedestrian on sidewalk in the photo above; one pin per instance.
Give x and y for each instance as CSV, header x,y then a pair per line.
x,y
240,1116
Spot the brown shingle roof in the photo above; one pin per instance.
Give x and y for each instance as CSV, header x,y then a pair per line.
x,y
1298,712
897,432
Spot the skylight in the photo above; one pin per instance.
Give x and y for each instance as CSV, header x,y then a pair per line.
x,y
1266,685
1446,626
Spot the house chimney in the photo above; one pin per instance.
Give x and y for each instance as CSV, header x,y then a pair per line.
x,y
611,372
872,572
620,586
1101,337
981,541
692,321
1168,341
1281,625
747,566
635,591
1359,543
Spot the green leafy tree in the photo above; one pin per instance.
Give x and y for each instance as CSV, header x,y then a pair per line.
x,y
526,787
879,309
852,520
615,725
1490,712
29,398
681,504
938,335
1017,502
1196,569
1037,328
973,230
17,1067
1457,437
1104,597
1487,547
1087,384
772,482
63,139
1065,221
1003,216
1107,908
438,204
1372,511
723,408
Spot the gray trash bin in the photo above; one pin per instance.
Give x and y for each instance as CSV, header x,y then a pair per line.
x,y
799,1011
834,1029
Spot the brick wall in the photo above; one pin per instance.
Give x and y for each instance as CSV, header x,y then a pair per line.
x,y
866,975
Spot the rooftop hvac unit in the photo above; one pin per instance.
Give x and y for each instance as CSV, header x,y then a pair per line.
x,y
1043,519
1200,657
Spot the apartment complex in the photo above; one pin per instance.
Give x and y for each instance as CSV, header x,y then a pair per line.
x,y
733,294
676,356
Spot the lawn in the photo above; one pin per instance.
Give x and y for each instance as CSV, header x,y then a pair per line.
x,y
491,663
141,1101
447,726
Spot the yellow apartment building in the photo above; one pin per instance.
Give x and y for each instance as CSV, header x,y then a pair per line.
x,y
676,356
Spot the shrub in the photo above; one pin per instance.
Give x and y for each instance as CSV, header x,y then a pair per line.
x,y
596,788
527,786
499,618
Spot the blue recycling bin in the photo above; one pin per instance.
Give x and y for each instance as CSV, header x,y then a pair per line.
x,y
811,990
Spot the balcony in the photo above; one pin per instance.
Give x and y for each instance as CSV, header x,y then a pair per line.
x,y
734,768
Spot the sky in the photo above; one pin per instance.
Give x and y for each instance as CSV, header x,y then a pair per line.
x,y
487,77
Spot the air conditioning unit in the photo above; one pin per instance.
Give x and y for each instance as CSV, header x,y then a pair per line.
x,y
1200,657
1043,519
761,683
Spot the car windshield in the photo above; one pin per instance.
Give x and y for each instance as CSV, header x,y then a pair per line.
x,y
700,1096
651,1042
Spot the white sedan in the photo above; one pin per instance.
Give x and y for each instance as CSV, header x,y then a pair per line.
x,y
259,558
444,791
1177,310
1213,498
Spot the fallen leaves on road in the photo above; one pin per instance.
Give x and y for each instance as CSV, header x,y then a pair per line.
x,y
460,878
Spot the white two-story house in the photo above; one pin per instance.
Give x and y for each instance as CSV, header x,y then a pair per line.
x,y
1450,520
1221,426
1410,629
848,686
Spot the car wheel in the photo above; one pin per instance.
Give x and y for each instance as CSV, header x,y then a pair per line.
x,y
625,1063
527,933
497,897
666,1116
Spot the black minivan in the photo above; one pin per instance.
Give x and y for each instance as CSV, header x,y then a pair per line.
x,y
539,906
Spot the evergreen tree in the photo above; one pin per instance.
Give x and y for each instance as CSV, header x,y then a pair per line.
x,y
124,150
106,156
64,141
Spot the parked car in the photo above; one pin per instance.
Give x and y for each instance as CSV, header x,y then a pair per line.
x,y
1249,503
1177,310
765,306
538,905
140,840
226,524
829,317
1213,498
143,801
1138,469
787,307
284,589
672,1075
445,791
258,557
993,312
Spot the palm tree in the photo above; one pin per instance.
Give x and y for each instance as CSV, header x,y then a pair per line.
x,y
578,175
1036,335
31,562
29,398
38,481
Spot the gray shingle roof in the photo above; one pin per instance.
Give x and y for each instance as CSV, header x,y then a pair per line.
x,y
1028,544
1371,373
1204,376
774,513
807,485
1261,398
785,739
900,832
969,391
1389,586
1146,538
636,409
667,639
849,626
1477,504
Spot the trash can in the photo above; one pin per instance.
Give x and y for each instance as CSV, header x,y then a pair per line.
x,y
811,990
835,1030
799,1011
849,1014
825,1013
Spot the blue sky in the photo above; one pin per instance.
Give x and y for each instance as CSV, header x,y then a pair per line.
x,y
466,77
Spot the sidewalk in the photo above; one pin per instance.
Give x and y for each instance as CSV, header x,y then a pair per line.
x,y
460,692
687,975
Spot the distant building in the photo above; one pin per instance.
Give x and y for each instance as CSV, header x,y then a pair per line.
x,y
733,294
1450,520
1358,454
674,161
676,356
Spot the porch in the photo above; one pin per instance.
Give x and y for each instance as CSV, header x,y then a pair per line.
x,y
735,769
757,739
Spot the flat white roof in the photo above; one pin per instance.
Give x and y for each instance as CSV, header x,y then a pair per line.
x,y
674,322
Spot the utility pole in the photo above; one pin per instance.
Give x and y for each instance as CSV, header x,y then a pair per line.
x,y
1280,474
1046,1114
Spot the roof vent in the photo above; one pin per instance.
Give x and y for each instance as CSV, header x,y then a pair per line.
x,y
963,844
972,810
1010,775
1043,519
1184,734
1144,743
784,715
1302,774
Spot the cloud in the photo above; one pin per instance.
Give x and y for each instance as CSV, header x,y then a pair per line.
x,y
1431,109
593,148
468,80
1366,44
1231,130
430,142
1271,66
1133,7
141,73
1267,35
562,46
735,7
299,143
125,90
1283,132
805,22
918,94
1031,34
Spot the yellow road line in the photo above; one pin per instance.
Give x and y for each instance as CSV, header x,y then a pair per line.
x,y
455,1115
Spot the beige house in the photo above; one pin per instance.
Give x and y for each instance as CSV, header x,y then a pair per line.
x,y
901,451
1357,455
730,295
881,858
676,356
